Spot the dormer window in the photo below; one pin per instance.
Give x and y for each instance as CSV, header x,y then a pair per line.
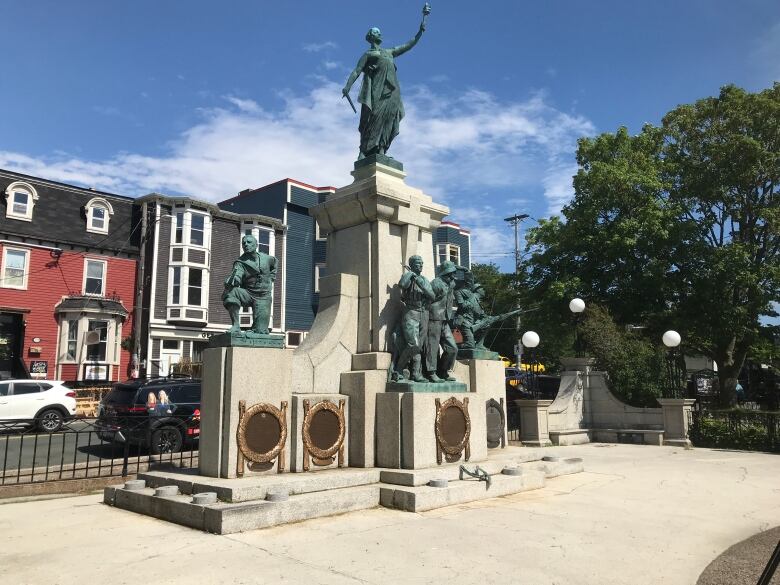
x,y
99,212
20,199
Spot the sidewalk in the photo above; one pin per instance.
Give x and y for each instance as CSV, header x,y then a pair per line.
x,y
637,515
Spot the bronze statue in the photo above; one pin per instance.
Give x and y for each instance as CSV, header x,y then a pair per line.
x,y
380,94
437,368
472,320
416,295
250,284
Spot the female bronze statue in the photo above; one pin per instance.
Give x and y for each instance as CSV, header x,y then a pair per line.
x,y
380,94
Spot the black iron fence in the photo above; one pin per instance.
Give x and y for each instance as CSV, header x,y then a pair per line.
x,y
750,430
89,449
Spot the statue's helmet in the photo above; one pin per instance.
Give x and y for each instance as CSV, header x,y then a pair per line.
x,y
374,34
447,267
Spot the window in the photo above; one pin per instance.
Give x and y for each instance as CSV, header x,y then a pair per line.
x,y
4,388
15,263
94,277
96,352
26,388
170,344
176,290
197,229
317,233
319,271
263,241
449,252
98,215
186,394
20,199
73,337
179,227
194,287
294,338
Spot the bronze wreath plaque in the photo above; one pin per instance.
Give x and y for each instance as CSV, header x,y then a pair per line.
x,y
495,423
261,434
323,433
453,428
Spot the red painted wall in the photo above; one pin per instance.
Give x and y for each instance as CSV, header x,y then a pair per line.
x,y
48,281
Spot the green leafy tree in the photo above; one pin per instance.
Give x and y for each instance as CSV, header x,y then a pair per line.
x,y
676,226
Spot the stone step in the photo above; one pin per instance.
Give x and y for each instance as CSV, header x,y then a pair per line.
x,y
256,487
422,497
512,457
228,518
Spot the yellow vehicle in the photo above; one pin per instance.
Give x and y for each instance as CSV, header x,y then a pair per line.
x,y
513,375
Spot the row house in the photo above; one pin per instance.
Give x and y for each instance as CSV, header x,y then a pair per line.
x,y
304,257
187,251
452,242
68,258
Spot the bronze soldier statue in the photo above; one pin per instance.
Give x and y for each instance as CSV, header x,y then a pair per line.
x,y
437,369
416,295
250,285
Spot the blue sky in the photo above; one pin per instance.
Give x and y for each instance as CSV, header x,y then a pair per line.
x,y
207,98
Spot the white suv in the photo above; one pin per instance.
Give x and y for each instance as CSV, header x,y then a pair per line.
x,y
45,403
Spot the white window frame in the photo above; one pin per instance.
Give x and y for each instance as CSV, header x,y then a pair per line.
x,y
317,268
104,279
184,285
26,252
317,235
32,197
98,203
448,247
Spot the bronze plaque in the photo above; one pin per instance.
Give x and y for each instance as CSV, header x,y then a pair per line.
x,y
453,426
495,425
263,432
325,429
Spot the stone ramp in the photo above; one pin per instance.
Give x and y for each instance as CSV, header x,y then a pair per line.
x,y
270,500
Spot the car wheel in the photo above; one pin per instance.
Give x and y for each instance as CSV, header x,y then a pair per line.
x,y
50,421
166,440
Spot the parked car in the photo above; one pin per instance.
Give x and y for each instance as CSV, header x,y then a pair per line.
x,y
46,404
161,414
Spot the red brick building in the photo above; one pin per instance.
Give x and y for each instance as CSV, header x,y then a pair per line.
x,y
68,261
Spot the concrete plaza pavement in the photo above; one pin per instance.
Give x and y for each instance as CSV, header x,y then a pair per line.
x,y
637,515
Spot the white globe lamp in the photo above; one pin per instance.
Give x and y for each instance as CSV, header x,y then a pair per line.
x,y
577,306
530,339
671,339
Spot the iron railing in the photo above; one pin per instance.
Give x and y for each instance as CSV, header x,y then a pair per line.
x,y
750,430
86,449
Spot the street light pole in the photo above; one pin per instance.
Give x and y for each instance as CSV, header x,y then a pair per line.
x,y
515,222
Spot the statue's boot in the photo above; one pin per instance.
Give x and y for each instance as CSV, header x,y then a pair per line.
x,y
434,378
416,371
446,377
233,311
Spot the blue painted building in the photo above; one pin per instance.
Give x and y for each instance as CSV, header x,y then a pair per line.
x,y
452,242
302,261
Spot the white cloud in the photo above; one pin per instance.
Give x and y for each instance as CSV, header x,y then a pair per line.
x,y
464,149
331,65
317,47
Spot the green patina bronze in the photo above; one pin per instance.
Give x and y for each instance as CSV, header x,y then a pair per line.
x,y
249,285
380,94
472,320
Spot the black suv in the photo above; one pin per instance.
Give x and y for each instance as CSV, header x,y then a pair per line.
x,y
161,414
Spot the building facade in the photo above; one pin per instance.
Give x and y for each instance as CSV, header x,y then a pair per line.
x,y
452,242
187,251
304,256
68,260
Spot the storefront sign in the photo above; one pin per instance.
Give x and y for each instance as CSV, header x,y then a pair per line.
x,y
39,369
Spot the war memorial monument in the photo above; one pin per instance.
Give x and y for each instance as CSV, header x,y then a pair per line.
x,y
378,405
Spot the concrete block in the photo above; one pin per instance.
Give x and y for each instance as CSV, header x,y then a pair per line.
x,y
109,493
375,360
212,399
362,388
388,430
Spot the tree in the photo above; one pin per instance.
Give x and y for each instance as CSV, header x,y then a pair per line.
x,y
676,226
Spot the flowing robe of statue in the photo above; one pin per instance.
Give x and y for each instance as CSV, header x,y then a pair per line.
x,y
380,96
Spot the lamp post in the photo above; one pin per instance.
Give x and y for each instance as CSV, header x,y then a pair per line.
x,y
530,340
577,306
515,221
675,366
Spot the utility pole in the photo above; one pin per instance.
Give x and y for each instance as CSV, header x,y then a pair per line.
x,y
515,221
